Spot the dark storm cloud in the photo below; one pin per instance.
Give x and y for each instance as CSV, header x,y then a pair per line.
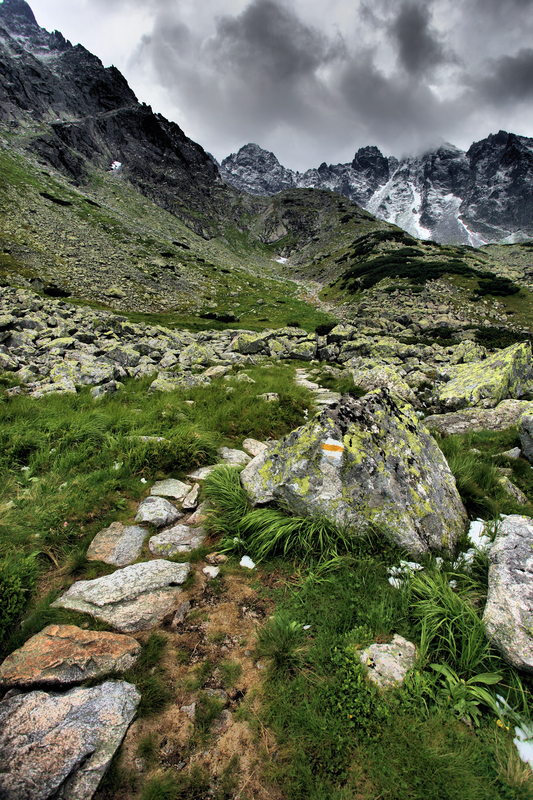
x,y
419,47
511,79
399,75
268,39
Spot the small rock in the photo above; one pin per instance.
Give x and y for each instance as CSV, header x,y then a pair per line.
x,y
199,516
190,502
247,562
180,614
157,511
170,488
211,572
190,710
269,397
202,473
253,447
234,457
117,545
388,664
216,558
179,539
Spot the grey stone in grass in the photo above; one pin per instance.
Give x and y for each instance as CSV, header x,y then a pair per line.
x,y
388,664
117,545
157,511
202,473
253,447
132,599
170,488
179,539
366,461
191,501
469,420
508,615
60,745
526,436
234,457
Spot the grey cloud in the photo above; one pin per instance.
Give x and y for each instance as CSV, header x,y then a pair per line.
x,y
419,47
511,79
267,74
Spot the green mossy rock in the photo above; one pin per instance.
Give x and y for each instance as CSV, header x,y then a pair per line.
x,y
508,373
365,461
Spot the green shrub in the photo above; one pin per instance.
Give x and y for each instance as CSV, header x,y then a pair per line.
x,y
281,640
18,577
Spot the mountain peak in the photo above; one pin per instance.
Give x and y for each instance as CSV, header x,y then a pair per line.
x,y
17,11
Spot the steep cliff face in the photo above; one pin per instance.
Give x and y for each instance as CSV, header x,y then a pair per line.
x,y
78,115
451,196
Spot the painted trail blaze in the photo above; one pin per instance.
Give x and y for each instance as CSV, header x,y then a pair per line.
x,y
332,451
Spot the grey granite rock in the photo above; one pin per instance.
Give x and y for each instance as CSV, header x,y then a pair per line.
x,y
131,599
157,511
117,545
170,488
388,664
508,615
365,461
60,746
179,539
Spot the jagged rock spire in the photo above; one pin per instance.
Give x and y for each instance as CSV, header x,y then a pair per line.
x,y
10,9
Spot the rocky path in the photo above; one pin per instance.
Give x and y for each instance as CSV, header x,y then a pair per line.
x,y
58,738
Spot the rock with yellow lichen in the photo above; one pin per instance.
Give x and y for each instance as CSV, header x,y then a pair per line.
x,y
365,461
506,374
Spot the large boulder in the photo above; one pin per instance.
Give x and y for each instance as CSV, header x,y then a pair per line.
x,y
508,613
60,746
525,432
508,373
364,461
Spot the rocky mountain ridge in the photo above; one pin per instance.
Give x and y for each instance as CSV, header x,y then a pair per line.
x,y
475,197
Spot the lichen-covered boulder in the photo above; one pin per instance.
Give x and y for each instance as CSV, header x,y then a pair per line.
x,y
506,414
364,461
384,377
508,615
508,373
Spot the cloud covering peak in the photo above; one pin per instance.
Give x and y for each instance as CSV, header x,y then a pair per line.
x,y
314,82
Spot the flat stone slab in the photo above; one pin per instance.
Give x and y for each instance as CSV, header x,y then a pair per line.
x,y
157,511
388,664
132,599
60,746
234,457
508,615
117,545
65,654
179,539
171,488
253,447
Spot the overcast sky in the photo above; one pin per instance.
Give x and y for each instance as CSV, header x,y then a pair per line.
x,y
311,80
